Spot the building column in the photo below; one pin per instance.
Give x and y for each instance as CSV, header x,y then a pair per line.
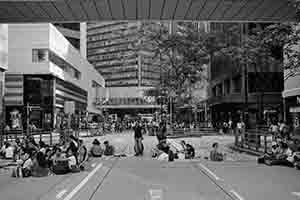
x,y
83,40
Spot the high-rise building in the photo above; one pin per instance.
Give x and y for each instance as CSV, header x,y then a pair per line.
x,y
248,92
112,49
75,33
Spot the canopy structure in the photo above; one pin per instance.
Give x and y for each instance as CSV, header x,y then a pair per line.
x,y
20,11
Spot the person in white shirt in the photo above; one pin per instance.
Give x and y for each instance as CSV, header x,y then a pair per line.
x,y
8,151
71,160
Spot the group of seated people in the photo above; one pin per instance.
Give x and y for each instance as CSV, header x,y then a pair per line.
x,y
281,154
163,151
97,151
39,160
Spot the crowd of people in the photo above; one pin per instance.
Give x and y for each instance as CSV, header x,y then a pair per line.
x,y
39,159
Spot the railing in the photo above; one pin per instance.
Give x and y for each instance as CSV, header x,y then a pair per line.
x,y
253,139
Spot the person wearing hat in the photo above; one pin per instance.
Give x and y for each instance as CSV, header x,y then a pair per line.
x,y
96,150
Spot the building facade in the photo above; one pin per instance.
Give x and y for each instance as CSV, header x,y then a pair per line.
x,y
3,63
127,72
247,92
45,72
75,33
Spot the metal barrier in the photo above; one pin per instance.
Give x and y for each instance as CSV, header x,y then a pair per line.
x,y
253,139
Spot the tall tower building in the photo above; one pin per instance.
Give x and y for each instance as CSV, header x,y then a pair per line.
x,y
75,33
126,70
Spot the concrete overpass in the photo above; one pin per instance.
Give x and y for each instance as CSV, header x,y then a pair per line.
x,y
19,11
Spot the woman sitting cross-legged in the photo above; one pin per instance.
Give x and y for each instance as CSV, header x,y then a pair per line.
x,y
96,150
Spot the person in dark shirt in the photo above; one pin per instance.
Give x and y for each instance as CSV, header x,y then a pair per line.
x,y
138,137
215,155
109,150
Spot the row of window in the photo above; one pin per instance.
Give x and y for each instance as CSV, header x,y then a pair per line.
x,y
93,25
112,35
121,47
115,41
151,74
228,86
110,83
128,101
121,75
44,55
116,62
119,69
116,55
111,29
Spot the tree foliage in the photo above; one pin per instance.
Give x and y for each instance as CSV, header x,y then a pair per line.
x,y
180,55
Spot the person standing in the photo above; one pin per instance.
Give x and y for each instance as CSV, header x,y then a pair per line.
x,y
240,128
138,136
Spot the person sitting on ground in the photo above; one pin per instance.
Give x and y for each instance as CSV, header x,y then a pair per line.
x,y
60,164
72,162
215,155
8,151
96,150
74,146
43,147
109,150
24,166
190,152
82,154
282,157
164,147
40,166
270,155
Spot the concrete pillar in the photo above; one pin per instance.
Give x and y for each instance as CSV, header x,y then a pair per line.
x,y
83,39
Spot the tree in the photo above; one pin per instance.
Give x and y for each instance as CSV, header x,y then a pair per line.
x,y
180,54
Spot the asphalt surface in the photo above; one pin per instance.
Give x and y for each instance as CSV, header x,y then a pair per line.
x,y
144,178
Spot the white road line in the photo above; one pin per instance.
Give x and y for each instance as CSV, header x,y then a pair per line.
x,y
82,183
210,172
297,194
61,194
237,195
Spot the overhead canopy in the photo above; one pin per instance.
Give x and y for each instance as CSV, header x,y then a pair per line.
x,y
12,11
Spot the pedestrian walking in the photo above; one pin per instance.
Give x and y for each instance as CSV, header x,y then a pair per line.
x,y
138,137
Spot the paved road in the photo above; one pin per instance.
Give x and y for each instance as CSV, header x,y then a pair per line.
x,y
142,178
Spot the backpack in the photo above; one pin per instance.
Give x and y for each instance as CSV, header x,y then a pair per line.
x,y
61,167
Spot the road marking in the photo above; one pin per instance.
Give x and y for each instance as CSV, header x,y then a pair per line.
x,y
210,172
237,195
297,194
60,194
82,183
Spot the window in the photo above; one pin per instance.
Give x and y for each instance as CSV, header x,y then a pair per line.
x,y
227,86
39,55
237,84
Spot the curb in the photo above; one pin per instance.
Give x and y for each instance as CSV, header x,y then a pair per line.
x,y
251,152
191,135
